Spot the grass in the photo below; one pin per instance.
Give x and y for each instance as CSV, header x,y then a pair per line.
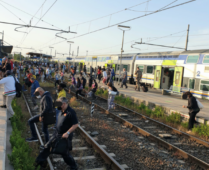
x,y
23,153
46,84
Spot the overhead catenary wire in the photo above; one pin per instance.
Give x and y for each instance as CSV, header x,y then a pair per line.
x,y
13,13
174,6
109,15
30,15
152,39
40,19
25,35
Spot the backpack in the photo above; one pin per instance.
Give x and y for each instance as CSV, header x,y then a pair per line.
x,y
18,87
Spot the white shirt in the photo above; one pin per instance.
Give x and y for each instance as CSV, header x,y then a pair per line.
x,y
47,71
36,71
104,74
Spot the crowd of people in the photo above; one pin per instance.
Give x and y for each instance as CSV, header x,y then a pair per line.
x,y
66,120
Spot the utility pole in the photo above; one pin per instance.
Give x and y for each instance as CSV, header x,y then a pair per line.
x,y
1,43
120,27
187,39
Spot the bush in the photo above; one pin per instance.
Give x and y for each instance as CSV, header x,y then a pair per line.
x,y
202,130
20,157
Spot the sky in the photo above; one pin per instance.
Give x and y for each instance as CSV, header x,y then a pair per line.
x,y
87,17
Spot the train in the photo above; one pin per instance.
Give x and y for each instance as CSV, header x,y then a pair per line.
x,y
174,71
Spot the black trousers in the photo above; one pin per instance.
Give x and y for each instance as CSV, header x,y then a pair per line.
x,y
67,158
56,82
192,119
99,77
78,92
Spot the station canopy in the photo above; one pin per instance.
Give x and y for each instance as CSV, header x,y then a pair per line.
x,y
6,50
38,55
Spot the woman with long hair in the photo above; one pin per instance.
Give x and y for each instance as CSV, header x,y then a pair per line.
x,y
93,89
112,92
79,87
193,109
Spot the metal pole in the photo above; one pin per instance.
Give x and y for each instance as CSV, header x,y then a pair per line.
x,y
20,57
121,57
187,39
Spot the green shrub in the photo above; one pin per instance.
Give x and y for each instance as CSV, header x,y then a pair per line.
x,y
184,124
174,118
20,157
202,130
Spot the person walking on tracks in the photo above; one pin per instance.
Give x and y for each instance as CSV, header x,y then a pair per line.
x,y
46,107
193,109
111,95
34,86
138,74
124,78
66,125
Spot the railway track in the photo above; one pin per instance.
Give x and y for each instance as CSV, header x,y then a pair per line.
x,y
88,154
182,144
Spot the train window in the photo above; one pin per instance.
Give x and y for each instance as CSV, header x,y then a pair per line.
x,y
150,69
191,83
140,67
192,59
206,59
204,85
124,66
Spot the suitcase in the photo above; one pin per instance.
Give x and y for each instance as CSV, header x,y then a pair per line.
x,y
144,88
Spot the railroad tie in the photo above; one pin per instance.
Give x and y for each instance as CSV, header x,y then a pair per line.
x,y
124,166
86,148
81,158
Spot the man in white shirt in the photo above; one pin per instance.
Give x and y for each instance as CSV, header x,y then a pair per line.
x,y
104,76
9,91
47,72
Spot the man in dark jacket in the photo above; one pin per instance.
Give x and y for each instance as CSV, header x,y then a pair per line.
x,y
193,109
66,125
46,107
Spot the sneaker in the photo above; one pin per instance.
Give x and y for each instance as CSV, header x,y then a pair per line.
x,y
32,139
36,107
3,106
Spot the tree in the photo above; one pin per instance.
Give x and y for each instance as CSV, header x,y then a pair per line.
x,y
18,57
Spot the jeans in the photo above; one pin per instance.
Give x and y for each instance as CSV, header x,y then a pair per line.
x,y
7,100
137,85
67,158
123,83
35,119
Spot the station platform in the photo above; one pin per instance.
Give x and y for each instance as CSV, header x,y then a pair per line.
x,y
171,103
5,132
